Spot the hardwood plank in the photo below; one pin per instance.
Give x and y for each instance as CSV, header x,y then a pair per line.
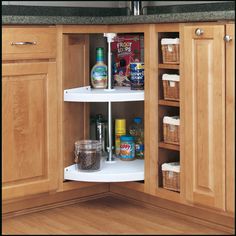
x,y
190,212
108,215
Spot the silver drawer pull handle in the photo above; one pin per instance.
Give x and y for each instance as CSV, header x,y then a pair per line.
x,y
23,43
227,38
199,31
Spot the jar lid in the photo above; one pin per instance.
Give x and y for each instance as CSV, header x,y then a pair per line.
x,y
87,144
126,138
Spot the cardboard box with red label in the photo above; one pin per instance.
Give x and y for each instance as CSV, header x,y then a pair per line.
x,y
125,49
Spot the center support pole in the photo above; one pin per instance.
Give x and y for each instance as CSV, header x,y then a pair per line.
x,y
110,37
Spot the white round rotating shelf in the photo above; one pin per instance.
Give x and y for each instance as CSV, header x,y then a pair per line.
x,y
117,171
118,94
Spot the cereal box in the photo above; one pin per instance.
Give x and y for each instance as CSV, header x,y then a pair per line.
x,y
126,48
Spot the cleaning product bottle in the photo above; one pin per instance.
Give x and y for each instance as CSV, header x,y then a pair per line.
x,y
99,71
136,130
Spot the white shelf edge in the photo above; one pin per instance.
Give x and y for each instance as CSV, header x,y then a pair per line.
x,y
87,94
120,171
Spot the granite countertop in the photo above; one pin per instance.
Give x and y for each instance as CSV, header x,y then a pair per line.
x,y
68,15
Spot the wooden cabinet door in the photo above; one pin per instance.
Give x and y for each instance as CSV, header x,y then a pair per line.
x,y
29,129
203,116
230,119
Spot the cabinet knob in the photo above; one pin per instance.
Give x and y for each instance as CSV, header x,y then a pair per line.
x,y
227,38
199,31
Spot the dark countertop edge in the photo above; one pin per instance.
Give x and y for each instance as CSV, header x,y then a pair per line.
x,y
30,10
142,19
22,10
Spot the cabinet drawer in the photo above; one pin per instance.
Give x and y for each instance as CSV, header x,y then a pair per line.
x,y
28,42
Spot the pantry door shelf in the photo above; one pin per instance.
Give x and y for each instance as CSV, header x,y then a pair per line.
x,y
118,94
117,171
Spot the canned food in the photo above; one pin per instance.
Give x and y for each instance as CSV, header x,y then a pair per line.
x,y
127,148
137,75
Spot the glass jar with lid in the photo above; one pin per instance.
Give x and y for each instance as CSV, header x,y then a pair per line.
x,y
88,155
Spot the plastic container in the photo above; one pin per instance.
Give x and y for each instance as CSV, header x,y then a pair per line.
x,y
127,148
136,130
88,155
120,129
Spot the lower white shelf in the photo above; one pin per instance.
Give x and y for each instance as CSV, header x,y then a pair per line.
x,y
117,171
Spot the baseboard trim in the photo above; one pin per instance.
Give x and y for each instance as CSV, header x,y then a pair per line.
x,y
134,197
58,199
54,205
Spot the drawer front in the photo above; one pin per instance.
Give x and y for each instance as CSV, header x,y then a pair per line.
x,y
28,42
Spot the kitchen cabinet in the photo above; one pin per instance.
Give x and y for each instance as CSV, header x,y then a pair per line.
x,y
40,127
76,52
201,151
29,113
203,88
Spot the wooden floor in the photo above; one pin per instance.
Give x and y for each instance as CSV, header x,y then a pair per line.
x,y
108,215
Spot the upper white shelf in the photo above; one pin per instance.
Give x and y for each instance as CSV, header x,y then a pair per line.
x,y
117,171
118,94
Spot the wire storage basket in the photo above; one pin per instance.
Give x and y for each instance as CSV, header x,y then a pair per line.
x,y
171,129
170,50
171,86
171,176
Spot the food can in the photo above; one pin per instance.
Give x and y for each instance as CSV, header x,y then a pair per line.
x,y
137,75
127,148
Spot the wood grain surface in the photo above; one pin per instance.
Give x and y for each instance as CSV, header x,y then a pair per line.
x,y
108,215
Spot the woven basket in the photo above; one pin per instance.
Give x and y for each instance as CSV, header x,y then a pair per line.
x,y
171,180
171,133
170,53
171,93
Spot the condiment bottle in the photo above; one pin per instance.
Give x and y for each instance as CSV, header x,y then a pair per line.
x,y
99,71
120,129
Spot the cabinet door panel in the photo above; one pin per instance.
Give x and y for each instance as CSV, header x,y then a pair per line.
x,y
230,120
203,77
25,125
29,126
